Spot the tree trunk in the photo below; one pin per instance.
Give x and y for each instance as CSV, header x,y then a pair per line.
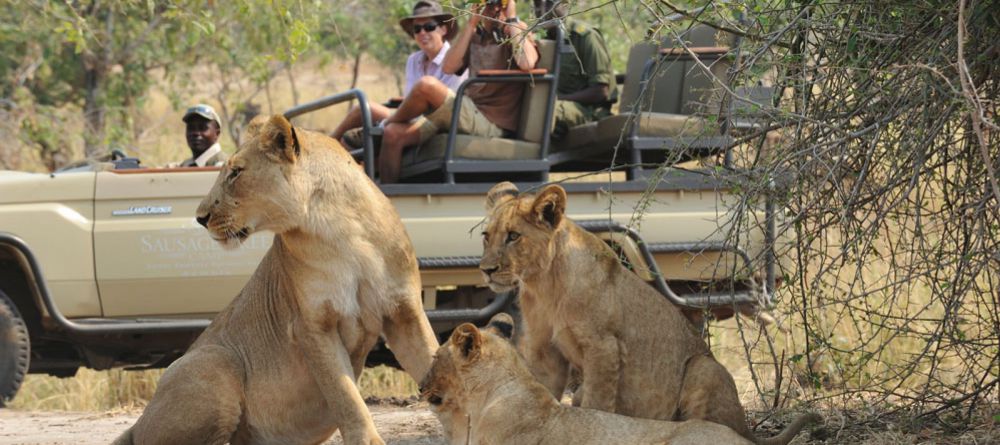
x,y
355,74
291,82
95,68
93,109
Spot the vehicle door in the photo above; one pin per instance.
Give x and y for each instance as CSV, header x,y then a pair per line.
x,y
152,258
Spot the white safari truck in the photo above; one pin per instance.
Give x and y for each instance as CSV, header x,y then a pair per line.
x,y
103,265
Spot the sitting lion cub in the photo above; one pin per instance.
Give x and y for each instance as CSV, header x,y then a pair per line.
x,y
637,353
481,374
279,364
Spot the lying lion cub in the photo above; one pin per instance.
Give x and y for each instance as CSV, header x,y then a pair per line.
x,y
278,365
637,353
481,374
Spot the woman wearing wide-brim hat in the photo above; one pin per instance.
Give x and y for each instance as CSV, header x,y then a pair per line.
x,y
431,10
431,28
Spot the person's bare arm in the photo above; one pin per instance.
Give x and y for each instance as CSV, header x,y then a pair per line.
x,y
454,60
525,52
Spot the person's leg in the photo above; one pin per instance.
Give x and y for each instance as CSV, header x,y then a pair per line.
x,y
353,118
568,114
395,138
427,94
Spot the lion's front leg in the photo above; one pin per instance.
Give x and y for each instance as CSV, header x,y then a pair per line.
x,y
601,364
409,336
330,364
546,362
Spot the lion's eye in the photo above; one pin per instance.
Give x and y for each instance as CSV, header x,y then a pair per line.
x,y
486,237
235,172
512,236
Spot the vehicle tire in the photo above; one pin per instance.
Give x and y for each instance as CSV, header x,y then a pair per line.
x,y
15,349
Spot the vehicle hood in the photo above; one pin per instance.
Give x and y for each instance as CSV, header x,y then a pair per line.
x,y
25,187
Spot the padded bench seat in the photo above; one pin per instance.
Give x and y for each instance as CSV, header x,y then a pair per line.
x,y
473,147
597,138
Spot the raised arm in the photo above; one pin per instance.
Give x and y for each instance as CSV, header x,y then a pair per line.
x,y
454,61
525,52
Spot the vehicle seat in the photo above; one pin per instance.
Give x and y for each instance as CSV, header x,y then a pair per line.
x,y
669,108
476,154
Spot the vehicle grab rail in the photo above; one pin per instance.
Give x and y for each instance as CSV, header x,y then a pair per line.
x,y
695,300
366,119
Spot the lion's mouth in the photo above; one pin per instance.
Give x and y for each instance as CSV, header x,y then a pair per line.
x,y
430,395
500,285
242,234
232,237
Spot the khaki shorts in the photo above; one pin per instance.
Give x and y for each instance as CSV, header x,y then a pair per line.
x,y
470,120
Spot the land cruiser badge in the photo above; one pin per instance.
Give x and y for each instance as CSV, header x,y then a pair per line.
x,y
143,210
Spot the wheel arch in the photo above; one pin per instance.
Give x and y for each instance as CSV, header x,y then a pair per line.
x,y
17,281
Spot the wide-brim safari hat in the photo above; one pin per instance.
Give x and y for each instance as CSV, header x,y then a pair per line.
x,y
430,9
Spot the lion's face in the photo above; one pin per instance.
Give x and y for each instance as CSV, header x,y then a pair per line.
x,y
518,240
259,188
442,381
468,356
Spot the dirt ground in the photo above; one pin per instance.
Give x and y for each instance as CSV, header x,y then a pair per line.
x,y
407,422
399,425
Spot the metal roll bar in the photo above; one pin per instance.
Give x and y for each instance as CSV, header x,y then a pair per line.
x,y
366,119
701,299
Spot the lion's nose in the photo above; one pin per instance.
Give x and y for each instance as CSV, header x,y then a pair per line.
x,y
203,220
488,270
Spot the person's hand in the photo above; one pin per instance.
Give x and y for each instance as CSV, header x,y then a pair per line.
x,y
475,15
511,10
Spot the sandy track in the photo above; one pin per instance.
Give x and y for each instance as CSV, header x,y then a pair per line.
x,y
414,425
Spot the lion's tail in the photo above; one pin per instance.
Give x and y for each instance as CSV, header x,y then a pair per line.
x,y
791,430
124,439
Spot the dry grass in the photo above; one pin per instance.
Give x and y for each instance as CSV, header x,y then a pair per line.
x,y
118,389
89,390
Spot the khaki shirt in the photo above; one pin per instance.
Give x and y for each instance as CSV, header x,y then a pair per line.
x,y
588,64
500,102
212,157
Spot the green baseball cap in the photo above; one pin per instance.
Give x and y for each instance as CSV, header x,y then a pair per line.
x,y
205,111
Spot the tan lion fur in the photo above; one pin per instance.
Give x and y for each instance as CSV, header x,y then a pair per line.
x,y
280,363
637,353
480,373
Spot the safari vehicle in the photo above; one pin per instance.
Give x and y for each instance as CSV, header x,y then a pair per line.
x,y
103,265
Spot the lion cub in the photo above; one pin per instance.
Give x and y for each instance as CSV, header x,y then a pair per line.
x,y
481,374
637,353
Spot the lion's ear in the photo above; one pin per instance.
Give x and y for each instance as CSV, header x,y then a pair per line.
x,y
254,127
549,206
501,324
468,340
280,140
501,192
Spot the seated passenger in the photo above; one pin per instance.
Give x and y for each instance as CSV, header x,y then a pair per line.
x,y
493,39
586,80
202,133
431,29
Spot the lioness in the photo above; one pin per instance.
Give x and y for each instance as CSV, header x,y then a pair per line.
x,y
638,355
279,364
481,374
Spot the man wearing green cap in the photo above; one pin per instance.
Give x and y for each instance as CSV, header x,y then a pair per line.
x,y
202,133
586,79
